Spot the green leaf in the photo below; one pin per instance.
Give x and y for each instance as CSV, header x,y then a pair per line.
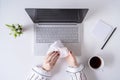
x,y
15,35
8,25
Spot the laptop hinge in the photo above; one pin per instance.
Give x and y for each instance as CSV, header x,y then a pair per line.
x,y
57,23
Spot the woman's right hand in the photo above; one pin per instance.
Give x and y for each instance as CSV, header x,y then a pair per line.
x,y
71,60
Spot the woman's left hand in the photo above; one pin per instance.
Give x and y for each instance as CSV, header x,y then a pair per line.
x,y
50,60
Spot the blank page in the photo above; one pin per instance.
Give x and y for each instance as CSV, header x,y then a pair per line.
x,y
102,30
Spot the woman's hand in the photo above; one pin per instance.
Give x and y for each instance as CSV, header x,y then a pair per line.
x,y
71,60
50,60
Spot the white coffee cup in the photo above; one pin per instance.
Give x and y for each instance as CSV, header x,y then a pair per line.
x,y
96,62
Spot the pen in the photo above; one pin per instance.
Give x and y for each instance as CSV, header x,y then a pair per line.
x,y
109,37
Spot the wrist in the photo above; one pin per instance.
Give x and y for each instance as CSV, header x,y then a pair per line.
x,y
44,68
74,65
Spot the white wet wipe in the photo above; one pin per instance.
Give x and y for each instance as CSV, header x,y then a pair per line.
x,y
58,46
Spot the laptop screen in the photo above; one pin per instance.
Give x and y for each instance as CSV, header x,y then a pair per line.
x,y
56,15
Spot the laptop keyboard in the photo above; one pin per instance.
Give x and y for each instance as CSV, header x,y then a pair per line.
x,y
51,33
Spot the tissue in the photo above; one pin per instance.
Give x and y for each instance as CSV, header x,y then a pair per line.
x,y
58,46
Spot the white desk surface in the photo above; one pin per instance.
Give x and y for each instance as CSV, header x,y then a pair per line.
x,y
16,57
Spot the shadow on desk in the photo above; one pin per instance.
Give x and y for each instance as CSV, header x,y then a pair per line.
x,y
27,27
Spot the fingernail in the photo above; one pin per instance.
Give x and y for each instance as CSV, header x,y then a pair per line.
x,y
71,52
58,54
56,51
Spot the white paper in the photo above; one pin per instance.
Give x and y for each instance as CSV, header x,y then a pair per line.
x,y
102,30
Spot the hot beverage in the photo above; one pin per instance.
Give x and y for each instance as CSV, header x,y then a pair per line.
x,y
95,62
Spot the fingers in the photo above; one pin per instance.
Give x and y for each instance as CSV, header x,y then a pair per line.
x,y
55,58
71,60
51,57
50,54
70,54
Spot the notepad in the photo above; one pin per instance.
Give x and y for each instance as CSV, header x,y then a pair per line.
x,y
102,30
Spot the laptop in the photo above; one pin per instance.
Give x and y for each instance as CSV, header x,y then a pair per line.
x,y
57,24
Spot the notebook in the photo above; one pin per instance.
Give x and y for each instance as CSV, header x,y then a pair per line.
x,y
102,30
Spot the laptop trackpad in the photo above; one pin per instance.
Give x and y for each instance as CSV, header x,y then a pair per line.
x,y
74,47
